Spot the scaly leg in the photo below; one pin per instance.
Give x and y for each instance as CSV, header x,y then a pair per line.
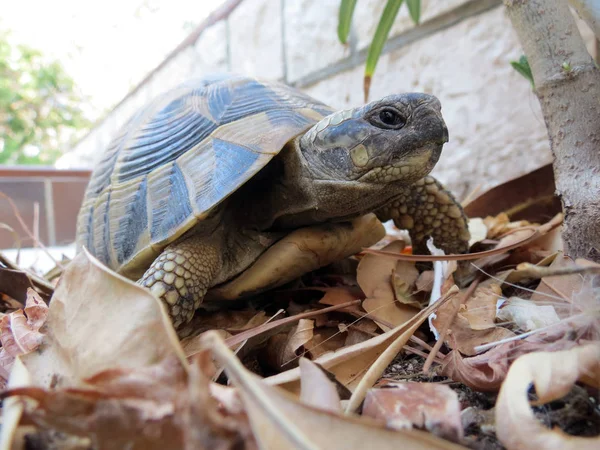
x,y
427,209
181,275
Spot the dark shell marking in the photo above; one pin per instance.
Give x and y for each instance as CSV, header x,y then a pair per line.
x,y
182,155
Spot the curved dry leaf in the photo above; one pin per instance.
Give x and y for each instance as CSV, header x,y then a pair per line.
x,y
355,366
480,308
19,331
386,281
387,313
279,420
283,349
374,272
482,372
434,407
527,315
12,408
99,320
471,324
553,375
316,389
478,230
159,406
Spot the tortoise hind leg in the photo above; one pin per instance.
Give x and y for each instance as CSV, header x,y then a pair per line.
x,y
181,275
426,209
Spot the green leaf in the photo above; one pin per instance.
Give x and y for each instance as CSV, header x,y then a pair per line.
x,y
522,66
414,8
381,33
345,19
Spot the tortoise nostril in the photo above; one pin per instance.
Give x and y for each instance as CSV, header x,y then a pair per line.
x,y
446,136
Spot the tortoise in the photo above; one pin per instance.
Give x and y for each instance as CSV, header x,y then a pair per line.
x,y
219,176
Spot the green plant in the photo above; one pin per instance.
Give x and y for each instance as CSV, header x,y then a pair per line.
x,y
381,33
522,66
40,111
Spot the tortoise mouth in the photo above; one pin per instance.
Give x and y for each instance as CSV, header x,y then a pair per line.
x,y
408,169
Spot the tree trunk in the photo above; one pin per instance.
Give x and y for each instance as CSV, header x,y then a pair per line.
x,y
567,84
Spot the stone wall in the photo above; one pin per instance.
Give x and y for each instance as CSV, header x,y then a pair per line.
x,y
460,53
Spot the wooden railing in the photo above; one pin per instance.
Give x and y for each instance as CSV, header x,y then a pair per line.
x,y
47,200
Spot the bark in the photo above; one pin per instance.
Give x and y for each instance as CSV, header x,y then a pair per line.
x,y
567,84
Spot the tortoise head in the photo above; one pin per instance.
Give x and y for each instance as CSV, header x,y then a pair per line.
x,y
398,138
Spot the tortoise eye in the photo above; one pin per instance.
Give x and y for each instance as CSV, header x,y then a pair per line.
x,y
388,118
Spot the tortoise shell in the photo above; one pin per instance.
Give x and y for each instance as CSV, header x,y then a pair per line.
x,y
181,156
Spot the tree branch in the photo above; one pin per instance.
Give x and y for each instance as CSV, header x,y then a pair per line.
x,y
568,88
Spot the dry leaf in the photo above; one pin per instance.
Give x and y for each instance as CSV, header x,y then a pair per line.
x,y
374,272
425,281
154,407
486,371
358,367
99,320
553,375
478,230
19,331
387,313
560,286
434,407
316,389
472,325
12,407
480,308
482,372
283,350
280,421
381,279
527,315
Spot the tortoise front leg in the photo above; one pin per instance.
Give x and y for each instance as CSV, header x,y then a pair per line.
x,y
427,209
181,275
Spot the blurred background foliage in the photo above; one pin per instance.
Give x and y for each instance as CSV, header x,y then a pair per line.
x,y
40,108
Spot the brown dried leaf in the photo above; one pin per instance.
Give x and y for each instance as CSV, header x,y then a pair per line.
x,y
279,420
154,407
342,294
374,272
480,308
316,389
560,286
486,371
19,331
283,350
527,315
12,408
434,407
425,281
99,320
386,313
384,281
501,224
358,366
482,372
473,325
553,375
478,230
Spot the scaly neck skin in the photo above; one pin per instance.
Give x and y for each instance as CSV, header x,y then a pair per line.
x,y
305,195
